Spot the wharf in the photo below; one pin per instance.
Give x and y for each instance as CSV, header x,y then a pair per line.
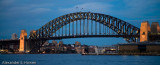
x,y
134,54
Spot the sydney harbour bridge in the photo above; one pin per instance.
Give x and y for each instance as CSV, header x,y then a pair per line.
x,y
79,25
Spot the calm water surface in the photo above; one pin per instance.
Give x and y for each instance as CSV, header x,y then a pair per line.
x,y
77,59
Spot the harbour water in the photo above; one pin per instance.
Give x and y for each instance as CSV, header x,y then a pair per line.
x,y
77,59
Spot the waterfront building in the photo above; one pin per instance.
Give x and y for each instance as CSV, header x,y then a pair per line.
x,y
84,49
110,49
46,43
99,50
60,46
106,49
139,47
77,44
72,45
54,43
78,48
91,49
65,48
70,48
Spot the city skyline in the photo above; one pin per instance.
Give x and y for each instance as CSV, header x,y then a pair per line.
x,y
31,15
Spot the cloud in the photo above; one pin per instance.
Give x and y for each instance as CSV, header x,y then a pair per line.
x,y
136,8
26,9
40,10
86,7
7,2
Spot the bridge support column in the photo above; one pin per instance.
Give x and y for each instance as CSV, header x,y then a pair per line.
x,y
23,37
145,28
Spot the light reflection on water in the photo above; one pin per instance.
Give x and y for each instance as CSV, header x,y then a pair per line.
x,y
77,59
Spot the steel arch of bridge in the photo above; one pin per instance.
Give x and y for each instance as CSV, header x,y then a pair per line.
x,y
122,28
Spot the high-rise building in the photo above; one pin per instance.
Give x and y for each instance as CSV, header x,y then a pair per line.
x,y
14,36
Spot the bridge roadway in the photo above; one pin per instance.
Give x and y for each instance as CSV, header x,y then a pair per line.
x,y
84,36
75,36
58,37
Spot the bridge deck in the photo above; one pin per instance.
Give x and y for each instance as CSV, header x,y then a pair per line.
x,y
85,36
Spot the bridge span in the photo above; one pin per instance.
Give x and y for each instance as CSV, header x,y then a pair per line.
x,y
84,25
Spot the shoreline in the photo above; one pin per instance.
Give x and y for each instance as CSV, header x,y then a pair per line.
x,y
130,54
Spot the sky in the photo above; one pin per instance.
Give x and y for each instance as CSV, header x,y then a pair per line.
x,y
16,15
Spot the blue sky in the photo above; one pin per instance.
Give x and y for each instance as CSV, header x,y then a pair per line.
x,y
16,15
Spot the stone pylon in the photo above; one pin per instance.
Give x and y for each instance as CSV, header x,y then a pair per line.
x,y
155,27
144,29
23,37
